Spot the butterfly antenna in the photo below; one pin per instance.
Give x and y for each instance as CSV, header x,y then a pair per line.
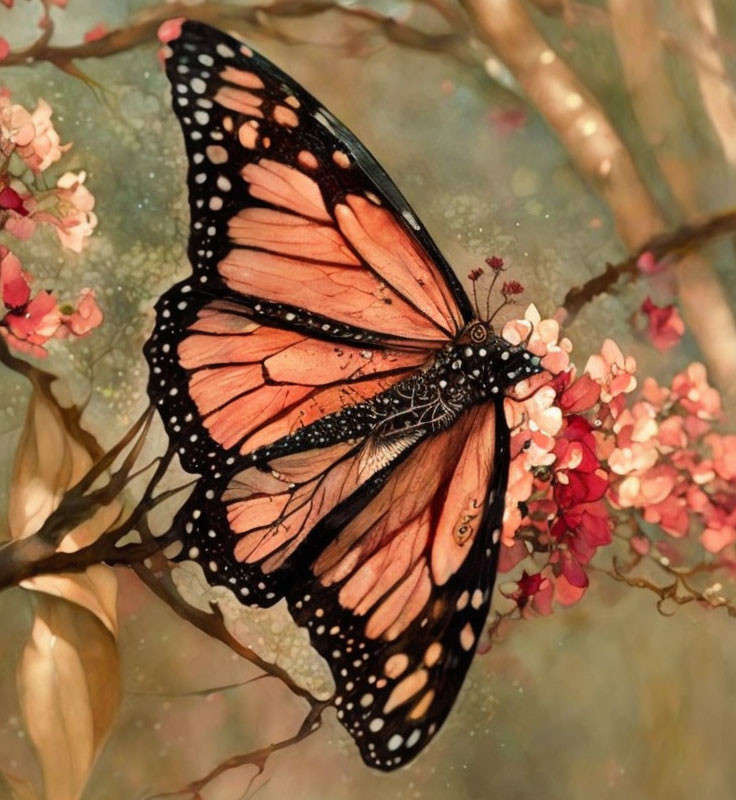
x,y
475,276
497,267
508,291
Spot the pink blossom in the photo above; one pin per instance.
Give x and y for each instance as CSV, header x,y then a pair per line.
x,y
654,394
691,388
634,458
612,371
581,395
31,135
671,434
77,220
714,539
29,322
511,554
541,337
723,449
566,593
650,488
14,283
28,328
16,125
580,449
170,30
4,49
86,316
98,32
538,411
648,265
671,514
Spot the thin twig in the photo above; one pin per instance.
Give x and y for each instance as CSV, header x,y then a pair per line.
x,y
256,758
141,30
670,246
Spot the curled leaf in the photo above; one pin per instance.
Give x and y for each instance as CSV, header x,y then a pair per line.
x,y
69,687
68,676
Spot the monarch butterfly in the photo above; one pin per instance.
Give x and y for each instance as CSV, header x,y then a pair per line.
x,y
325,373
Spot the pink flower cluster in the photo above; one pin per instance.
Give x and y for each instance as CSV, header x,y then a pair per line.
x,y
29,145
673,468
583,457
30,321
29,142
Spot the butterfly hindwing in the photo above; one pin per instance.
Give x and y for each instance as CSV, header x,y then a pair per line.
x,y
398,602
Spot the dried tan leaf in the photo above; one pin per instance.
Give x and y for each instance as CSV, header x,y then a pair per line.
x,y
50,459
69,686
68,676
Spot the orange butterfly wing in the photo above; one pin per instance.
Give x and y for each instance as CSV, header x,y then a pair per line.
x,y
397,601
315,294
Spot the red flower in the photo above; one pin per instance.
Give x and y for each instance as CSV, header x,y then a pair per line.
x,y
579,487
28,324
4,48
575,446
475,274
665,324
512,288
527,586
10,200
37,321
582,395
579,532
495,263
16,290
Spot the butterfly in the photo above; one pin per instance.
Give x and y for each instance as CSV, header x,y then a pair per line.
x,y
324,372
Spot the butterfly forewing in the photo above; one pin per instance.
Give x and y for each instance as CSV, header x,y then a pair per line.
x,y
317,303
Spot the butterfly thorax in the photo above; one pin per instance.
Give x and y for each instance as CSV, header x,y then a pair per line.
x,y
462,375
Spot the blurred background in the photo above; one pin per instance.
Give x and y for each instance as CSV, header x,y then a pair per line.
x,y
607,699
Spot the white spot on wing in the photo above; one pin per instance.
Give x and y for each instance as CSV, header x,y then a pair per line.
x,y
411,219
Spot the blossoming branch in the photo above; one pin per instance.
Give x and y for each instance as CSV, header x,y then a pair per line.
x,y
29,147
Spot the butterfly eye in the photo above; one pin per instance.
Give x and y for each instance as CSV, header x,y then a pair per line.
x,y
478,333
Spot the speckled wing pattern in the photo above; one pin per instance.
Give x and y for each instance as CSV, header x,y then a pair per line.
x,y
315,292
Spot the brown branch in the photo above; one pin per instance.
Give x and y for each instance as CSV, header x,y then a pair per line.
x,y
670,592
256,758
573,114
600,155
34,555
665,126
670,246
38,553
157,575
718,96
143,27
